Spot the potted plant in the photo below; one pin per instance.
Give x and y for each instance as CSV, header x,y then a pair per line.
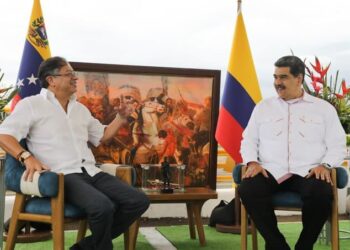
x,y
328,88
6,95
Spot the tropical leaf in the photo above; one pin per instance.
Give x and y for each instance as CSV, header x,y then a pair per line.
x,y
6,95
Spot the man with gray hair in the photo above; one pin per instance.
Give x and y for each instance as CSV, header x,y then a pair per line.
x,y
58,129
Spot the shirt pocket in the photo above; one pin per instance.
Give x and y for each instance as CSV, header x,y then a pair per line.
x,y
311,127
271,127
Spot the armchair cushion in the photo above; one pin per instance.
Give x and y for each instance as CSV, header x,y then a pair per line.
x,y
38,205
287,199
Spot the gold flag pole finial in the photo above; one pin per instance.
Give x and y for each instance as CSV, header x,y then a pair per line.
x,y
239,3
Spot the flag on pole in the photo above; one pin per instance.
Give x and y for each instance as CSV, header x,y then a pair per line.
x,y
241,93
36,49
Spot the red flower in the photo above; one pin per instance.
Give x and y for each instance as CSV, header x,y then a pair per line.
x,y
339,96
327,88
317,66
319,69
344,89
316,78
324,71
316,87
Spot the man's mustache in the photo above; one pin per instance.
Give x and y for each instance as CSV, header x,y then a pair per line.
x,y
280,87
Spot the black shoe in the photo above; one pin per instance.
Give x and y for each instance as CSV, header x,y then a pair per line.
x,y
75,247
21,225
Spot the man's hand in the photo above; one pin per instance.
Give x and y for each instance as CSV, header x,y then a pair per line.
x,y
321,172
125,110
33,165
254,168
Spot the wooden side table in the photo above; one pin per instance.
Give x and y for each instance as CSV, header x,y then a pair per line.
x,y
194,198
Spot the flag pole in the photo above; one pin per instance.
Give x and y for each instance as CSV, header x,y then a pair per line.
x,y
239,4
236,227
237,211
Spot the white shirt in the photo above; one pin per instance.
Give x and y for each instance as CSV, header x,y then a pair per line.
x,y
293,137
56,138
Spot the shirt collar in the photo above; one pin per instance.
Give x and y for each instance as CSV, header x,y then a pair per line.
x,y
305,97
49,95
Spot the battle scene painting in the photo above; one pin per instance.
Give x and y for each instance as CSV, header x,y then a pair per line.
x,y
171,118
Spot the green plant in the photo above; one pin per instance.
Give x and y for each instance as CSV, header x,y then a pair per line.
x,y
329,89
6,95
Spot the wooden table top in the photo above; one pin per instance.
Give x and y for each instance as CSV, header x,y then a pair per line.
x,y
190,194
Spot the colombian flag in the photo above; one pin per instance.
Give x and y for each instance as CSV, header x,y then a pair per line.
x,y
36,49
240,95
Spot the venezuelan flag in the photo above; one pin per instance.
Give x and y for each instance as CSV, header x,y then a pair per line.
x,y
36,49
241,93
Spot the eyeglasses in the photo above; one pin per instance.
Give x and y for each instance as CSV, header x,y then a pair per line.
x,y
69,74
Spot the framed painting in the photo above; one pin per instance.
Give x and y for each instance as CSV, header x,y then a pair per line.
x,y
174,114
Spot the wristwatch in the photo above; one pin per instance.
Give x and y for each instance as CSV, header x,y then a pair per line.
x,y
23,156
326,165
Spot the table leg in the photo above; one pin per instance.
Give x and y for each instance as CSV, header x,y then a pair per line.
x,y
197,209
190,220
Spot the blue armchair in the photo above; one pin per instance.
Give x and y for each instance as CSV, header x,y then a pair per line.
x,y
43,201
292,201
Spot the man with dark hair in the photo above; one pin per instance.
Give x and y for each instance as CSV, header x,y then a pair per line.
x,y
290,143
57,129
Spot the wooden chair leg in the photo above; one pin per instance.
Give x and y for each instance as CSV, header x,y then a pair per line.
x,y
57,217
127,239
130,236
82,229
13,230
334,215
254,236
334,231
57,228
244,222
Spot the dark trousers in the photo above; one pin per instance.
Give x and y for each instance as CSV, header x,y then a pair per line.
x,y
256,195
111,206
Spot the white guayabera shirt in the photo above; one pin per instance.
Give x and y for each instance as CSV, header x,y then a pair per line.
x,y
56,138
294,136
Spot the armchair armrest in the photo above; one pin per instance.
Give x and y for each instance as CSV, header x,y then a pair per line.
x,y
342,177
237,173
43,185
124,172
